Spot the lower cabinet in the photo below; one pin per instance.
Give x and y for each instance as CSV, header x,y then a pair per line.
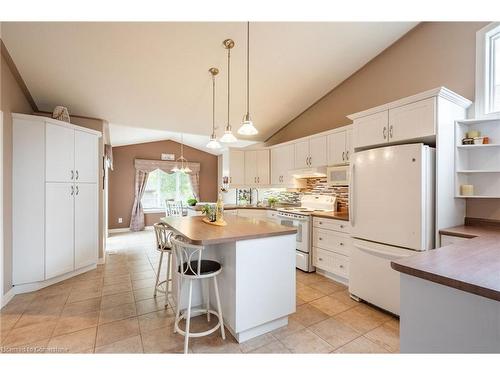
x,y
449,240
86,236
59,228
332,246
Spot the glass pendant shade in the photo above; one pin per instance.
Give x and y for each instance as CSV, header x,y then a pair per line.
x,y
213,143
247,127
187,169
175,169
228,137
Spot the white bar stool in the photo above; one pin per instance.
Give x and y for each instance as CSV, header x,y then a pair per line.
x,y
190,266
164,246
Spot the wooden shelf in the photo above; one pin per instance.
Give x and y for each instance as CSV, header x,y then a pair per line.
x,y
479,146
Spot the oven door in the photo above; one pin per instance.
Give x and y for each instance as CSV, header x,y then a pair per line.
x,y
302,237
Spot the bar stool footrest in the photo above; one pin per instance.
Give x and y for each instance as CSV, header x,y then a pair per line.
x,y
198,334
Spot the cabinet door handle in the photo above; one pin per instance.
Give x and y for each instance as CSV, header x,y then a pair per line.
x,y
390,131
258,180
347,155
341,244
230,179
320,238
72,174
320,222
384,132
72,189
343,155
77,191
341,266
76,175
341,226
320,259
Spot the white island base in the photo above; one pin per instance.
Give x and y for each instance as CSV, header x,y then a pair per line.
x,y
438,319
256,285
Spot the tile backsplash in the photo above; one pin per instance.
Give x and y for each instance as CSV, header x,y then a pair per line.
x,y
320,186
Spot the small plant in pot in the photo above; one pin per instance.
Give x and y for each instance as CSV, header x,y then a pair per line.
x,y
272,201
191,202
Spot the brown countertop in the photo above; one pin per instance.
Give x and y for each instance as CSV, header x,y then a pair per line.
x,y
472,266
237,228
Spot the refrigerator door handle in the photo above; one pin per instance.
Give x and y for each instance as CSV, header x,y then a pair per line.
x,y
377,252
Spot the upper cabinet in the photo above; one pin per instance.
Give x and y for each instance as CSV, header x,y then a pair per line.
x,y
257,167
60,153
86,163
339,147
311,152
282,162
233,167
414,121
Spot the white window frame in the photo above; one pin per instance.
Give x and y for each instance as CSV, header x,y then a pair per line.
x,y
177,196
483,78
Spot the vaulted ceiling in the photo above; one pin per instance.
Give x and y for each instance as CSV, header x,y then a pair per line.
x,y
151,80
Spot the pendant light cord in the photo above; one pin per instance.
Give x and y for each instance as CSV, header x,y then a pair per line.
x,y
248,67
213,104
228,83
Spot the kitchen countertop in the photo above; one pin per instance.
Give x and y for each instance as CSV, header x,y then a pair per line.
x,y
472,266
237,228
340,215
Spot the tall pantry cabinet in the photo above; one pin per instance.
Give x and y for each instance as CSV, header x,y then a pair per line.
x,y
55,199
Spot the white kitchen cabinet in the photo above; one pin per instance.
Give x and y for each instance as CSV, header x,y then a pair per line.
x,y
250,168
86,246
396,124
412,121
337,148
55,216
332,245
371,130
282,162
301,150
86,154
233,167
59,227
349,146
318,156
257,167
311,152
60,153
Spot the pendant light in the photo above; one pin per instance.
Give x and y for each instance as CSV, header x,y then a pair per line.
x,y
213,143
228,136
247,127
182,160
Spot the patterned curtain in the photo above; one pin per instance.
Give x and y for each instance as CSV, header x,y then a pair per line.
x,y
137,217
194,177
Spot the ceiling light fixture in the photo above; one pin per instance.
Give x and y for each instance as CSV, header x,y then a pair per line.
x,y
247,127
228,136
182,160
213,143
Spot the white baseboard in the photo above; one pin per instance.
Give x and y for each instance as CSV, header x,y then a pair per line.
x,y
118,230
7,297
31,287
333,277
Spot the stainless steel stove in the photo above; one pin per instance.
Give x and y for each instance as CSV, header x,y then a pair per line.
x,y
300,218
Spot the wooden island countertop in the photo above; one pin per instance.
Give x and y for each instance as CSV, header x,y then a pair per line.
x,y
237,229
472,266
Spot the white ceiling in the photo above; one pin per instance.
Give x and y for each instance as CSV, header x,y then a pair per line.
x,y
151,80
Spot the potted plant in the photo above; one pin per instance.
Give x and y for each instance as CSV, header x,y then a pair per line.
x,y
272,201
210,212
191,202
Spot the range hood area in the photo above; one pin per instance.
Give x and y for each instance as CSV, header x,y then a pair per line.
x,y
312,172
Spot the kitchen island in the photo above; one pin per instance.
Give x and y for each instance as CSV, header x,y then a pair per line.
x,y
257,282
450,297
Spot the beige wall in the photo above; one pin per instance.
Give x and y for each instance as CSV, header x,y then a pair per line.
x,y
122,178
12,100
431,55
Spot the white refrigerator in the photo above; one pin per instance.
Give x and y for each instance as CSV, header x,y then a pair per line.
x,y
392,216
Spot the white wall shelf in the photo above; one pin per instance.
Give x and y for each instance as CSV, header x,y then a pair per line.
x,y
478,164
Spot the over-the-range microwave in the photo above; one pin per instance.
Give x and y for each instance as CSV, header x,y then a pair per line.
x,y
338,176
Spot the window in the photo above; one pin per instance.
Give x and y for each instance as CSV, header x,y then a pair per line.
x,y
163,186
488,71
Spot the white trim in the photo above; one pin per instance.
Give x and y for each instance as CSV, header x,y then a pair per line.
x,y
7,297
30,287
481,72
325,133
118,230
56,122
442,92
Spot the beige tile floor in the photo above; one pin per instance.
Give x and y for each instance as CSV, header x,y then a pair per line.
x,y
112,310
